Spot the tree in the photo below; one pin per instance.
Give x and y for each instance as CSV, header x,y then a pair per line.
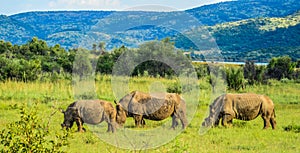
x,y
82,66
250,72
106,61
281,67
26,62
38,47
202,70
260,74
102,47
235,78
154,56
213,82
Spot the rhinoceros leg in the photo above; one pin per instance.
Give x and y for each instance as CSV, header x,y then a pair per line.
x,y
143,123
111,127
138,119
269,118
266,122
180,112
79,124
273,123
217,121
181,115
184,121
272,120
227,120
174,121
111,123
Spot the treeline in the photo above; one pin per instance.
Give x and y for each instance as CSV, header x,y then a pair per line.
x,y
35,60
31,61
239,76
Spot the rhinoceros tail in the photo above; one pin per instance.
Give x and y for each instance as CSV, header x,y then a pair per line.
x,y
274,114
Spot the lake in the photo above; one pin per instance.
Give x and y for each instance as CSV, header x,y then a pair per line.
x,y
235,63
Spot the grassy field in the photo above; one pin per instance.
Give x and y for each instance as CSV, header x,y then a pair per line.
x,y
242,137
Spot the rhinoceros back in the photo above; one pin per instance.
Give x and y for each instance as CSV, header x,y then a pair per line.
x,y
163,109
246,106
152,107
90,111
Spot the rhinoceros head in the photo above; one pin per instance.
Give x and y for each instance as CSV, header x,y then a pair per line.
x,y
121,114
69,117
207,122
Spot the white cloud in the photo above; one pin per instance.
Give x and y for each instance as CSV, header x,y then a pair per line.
x,y
85,4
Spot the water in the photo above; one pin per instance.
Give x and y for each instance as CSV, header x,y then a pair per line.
x,y
236,63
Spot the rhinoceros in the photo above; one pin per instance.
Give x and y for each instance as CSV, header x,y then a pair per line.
x,y
140,106
245,107
90,112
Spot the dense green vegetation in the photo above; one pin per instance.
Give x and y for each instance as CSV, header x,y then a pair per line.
x,y
36,60
30,134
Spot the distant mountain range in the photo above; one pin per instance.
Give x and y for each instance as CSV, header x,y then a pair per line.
x,y
243,28
257,39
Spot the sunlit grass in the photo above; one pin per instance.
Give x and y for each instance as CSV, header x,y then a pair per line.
x,y
242,137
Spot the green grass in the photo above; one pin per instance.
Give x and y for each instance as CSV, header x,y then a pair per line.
x,y
242,137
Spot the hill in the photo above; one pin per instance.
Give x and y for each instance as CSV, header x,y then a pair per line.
x,y
73,29
252,39
14,30
243,9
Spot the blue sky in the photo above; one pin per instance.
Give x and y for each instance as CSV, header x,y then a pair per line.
x,y
9,7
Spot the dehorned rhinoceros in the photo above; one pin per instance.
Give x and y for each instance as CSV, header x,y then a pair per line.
x,y
241,106
142,106
90,112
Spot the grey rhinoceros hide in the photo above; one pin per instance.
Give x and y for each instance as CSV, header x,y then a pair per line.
x,y
91,112
146,106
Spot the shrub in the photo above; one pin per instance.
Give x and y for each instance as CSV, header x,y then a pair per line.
x,y
281,67
30,134
202,70
250,72
254,74
296,74
235,78
292,128
213,82
175,88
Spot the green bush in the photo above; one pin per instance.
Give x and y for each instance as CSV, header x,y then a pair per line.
x,y
175,88
202,70
292,128
30,134
250,72
235,78
281,67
